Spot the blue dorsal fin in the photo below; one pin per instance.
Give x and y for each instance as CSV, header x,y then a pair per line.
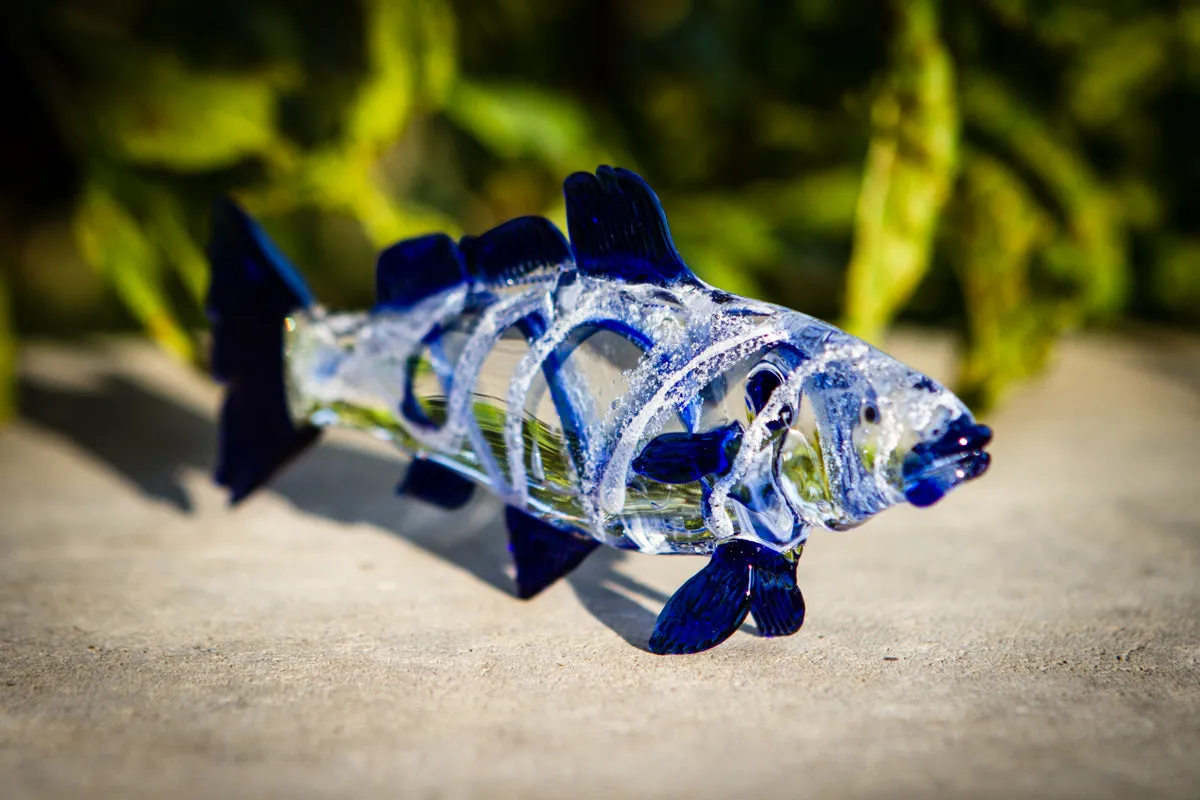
x,y
688,457
775,599
413,269
542,552
514,249
429,481
618,229
713,603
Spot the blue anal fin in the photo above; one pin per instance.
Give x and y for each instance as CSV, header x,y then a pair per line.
x,y
713,603
413,269
441,486
513,250
618,229
688,457
542,552
775,599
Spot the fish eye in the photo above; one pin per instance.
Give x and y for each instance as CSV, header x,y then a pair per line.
x,y
870,413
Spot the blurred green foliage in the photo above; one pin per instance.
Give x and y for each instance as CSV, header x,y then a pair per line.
x,y
1012,168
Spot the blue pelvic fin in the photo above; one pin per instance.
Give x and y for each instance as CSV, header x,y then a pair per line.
x,y
252,291
413,269
713,603
514,249
542,552
618,229
688,457
441,486
775,599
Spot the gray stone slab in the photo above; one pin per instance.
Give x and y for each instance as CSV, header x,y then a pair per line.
x,y
1036,634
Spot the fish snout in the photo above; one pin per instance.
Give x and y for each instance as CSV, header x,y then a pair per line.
x,y
935,467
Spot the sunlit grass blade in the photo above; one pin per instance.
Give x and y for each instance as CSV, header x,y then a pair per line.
x,y
909,169
995,228
112,242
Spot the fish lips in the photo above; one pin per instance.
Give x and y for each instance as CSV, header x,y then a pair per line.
x,y
933,468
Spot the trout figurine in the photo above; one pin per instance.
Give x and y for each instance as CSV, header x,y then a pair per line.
x,y
600,389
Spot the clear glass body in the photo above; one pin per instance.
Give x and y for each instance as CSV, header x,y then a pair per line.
x,y
545,392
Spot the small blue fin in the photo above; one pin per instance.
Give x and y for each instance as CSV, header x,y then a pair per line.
x,y
688,457
411,270
429,481
618,229
514,249
775,599
253,289
713,603
542,552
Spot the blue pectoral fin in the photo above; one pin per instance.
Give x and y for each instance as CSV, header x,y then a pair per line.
x,y
514,249
542,552
413,269
618,229
688,457
775,599
253,290
707,609
429,481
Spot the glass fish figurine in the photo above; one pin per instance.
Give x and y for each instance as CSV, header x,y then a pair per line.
x,y
601,390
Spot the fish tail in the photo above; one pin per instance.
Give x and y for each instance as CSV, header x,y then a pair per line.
x,y
252,292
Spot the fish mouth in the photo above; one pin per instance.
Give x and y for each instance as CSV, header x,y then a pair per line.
x,y
933,468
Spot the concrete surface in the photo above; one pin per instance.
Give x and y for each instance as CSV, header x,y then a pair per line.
x,y
1037,634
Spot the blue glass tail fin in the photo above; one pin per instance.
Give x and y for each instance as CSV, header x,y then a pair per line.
x,y
253,290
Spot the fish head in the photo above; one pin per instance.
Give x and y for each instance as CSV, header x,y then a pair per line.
x,y
859,432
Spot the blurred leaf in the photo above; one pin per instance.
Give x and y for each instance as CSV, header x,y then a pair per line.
x,y
519,121
1118,71
734,226
1092,257
1187,26
387,221
723,240
995,227
385,99
819,201
408,42
438,56
153,110
113,243
1176,281
331,120
792,127
910,164
167,229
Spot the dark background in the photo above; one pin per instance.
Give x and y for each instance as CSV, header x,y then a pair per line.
x,y
1011,170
